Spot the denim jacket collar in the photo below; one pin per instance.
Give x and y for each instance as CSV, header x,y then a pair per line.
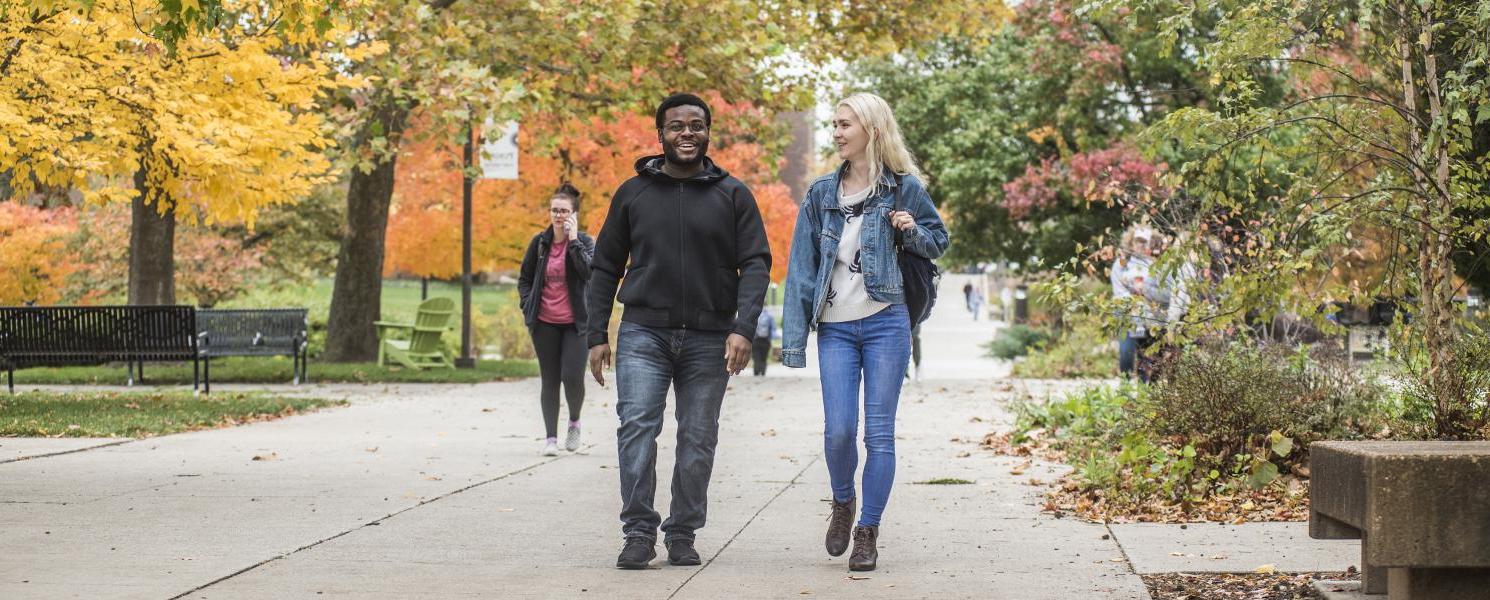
x,y
887,182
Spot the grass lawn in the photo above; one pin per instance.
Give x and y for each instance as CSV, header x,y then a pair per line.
x,y
399,302
277,369
139,414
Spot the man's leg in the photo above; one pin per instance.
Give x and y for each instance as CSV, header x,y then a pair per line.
x,y
700,381
761,351
644,369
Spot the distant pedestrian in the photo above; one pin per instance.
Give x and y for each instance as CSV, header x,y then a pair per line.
x,y
765,329
844,280
974,298
551,286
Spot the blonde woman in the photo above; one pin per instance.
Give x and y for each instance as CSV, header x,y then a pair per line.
x,y
843,280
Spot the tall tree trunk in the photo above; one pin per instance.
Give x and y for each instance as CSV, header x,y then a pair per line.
x,y
1454,409
1435,316
152,247
356,297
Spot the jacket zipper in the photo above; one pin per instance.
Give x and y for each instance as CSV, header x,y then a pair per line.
x,y
682,243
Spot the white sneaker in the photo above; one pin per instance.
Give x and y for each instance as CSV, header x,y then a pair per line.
x,y
918,374
571,440
551,448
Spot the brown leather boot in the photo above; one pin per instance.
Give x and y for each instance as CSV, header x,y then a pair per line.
x,y
866,552
839,525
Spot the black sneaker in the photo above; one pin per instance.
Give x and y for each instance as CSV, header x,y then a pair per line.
x,y
637,554
682,554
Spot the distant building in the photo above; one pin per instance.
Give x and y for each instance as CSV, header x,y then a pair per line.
x,y
800,165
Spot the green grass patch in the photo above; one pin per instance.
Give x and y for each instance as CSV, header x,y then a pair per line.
x,y
399,300
140,414
277,369
945,481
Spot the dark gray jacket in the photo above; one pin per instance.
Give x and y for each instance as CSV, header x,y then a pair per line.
x,y
576,274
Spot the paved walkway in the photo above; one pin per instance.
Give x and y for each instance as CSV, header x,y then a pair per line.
x,y
439,492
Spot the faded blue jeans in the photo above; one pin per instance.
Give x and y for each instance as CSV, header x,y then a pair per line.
x,y
874,349
649,360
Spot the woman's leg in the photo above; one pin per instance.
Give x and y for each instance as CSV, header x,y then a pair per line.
x,y
839,366
886,347
546,344
574,355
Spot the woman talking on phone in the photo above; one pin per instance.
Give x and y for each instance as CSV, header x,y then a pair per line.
x,y
551,287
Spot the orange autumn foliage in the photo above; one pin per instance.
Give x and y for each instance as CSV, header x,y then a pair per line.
x,y
34,257
594,154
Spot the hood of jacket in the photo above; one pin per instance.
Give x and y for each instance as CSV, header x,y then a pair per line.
x,y
651,167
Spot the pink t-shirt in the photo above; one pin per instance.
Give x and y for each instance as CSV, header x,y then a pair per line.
x,y
554,307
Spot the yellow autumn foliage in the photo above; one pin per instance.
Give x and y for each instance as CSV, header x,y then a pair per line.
x,y
224,126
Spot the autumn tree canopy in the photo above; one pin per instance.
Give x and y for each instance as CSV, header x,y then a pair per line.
x,y
595,154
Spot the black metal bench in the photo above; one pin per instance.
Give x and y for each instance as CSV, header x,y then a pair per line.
x,y
255,332
36,336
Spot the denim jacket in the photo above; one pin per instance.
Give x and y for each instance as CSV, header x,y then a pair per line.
x,y
815,250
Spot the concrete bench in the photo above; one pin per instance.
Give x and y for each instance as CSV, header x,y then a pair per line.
x,y
1420,509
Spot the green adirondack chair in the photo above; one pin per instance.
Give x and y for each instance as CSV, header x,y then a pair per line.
x,y
421,349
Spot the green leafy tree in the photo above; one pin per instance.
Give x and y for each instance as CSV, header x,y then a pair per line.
x,y
1384,133
459,62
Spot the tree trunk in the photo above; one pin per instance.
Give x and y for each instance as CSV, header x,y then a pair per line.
x,y
1454,401
356,297
1435,316
152,252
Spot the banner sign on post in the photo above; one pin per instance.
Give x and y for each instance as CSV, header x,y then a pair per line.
x,y
499,151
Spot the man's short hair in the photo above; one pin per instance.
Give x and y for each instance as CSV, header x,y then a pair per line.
x,y
677,100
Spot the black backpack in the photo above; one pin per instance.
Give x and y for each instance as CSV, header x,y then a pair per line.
x,y
919,276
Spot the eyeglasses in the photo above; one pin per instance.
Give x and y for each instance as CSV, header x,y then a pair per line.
x,y
678,127
560,211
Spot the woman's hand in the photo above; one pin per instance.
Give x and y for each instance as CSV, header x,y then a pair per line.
x,y
902,220
571,227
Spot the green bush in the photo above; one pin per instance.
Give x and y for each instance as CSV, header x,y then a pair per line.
x,y
1080,350
1458,407
1227,419
504,332
1225,399
1015,341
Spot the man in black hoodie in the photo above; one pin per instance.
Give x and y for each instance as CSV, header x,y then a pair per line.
x,y
689,240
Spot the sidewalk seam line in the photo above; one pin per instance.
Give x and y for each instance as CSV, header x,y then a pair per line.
x,y
1126,559
742,529
377,521
73,451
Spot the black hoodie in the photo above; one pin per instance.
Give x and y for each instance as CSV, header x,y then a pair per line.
x,y
693,252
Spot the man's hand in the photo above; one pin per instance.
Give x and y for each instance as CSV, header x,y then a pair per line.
x,y
736,353
599,360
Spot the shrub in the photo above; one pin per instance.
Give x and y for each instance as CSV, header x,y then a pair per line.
x,y
1015,341
1080,350
504,332
1226,399
1459,406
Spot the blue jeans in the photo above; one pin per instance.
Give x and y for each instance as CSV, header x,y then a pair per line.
x,y
1127,354
874,349
649,360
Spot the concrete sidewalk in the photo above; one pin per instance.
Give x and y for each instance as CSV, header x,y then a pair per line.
x,y
438,491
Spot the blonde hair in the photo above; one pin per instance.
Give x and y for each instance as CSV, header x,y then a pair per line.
x,y
886,148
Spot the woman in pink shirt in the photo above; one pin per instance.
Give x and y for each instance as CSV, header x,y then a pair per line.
x,y
551,287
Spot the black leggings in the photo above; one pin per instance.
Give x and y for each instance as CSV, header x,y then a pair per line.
x,y
561,359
